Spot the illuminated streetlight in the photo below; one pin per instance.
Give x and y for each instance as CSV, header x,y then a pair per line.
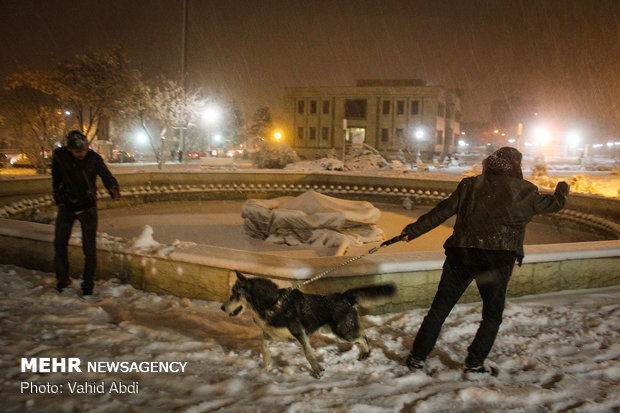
x,y
573,139
419,134
211,114
277,135
142,138
542,135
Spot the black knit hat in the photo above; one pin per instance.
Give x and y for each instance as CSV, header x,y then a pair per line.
x,y
77,140
504,161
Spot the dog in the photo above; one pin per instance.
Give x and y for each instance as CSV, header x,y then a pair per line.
x,y
290,314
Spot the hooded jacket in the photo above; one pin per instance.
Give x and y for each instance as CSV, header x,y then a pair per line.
x,y
74,180
492,212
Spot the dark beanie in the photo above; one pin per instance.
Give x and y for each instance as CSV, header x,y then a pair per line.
x,y
504,161
77,140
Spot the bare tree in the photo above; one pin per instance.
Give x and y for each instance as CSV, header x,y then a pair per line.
x,y
93,87
161,108
35,121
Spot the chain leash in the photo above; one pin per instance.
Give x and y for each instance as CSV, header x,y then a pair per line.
x,y
296,284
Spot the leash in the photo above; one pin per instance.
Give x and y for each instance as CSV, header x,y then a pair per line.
x,y
296,284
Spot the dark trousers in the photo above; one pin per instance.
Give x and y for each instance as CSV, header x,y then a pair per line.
x,y
64,224
491,270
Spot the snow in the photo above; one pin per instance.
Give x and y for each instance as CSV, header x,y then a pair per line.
x,y
554,352
143,244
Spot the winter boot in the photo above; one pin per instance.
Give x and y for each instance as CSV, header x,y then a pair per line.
x,y
480,369
61,285
414,363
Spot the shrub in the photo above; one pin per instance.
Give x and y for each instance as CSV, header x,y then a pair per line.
x,y
274,156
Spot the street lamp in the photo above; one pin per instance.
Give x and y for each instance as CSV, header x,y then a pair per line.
x,y
142,138
572,139
211,115
542,135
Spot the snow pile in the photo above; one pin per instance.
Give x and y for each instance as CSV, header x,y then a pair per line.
x,y
367,160
312,218
578,183
145,240
323,164
143,244
474,171
558,352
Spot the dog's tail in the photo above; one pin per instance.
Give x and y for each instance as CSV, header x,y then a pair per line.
x,y
372,292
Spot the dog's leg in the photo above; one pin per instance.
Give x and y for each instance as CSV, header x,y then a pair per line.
x,y
265,351
302,337
362,341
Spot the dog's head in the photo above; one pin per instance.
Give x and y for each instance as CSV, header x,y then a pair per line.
x,y
238,297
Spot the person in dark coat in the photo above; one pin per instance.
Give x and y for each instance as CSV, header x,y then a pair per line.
x,y
492,210
74,172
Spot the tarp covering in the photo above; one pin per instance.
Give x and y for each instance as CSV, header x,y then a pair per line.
x,y
312,218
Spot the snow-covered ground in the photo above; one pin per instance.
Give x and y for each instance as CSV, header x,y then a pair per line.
x,y
557,352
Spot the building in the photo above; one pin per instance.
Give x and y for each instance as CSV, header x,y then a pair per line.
x,y
387,115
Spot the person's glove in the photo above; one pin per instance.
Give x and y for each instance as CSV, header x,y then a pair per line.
x,y
562,186
115,193
401,237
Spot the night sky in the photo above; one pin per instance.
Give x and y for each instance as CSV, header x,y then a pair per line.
x,y
563,54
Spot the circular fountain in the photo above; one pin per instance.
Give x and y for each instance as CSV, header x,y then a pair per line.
x,y
575,248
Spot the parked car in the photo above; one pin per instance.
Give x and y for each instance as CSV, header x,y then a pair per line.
x,y
193,155
22,161
122,157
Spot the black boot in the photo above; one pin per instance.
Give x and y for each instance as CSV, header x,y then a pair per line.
x,y
479,369
87,289
60,286
414,363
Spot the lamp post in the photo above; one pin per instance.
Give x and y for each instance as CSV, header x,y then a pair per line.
x,y
183,72
210,116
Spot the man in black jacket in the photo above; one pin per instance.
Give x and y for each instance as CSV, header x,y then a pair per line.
x,y
74,172
492,211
